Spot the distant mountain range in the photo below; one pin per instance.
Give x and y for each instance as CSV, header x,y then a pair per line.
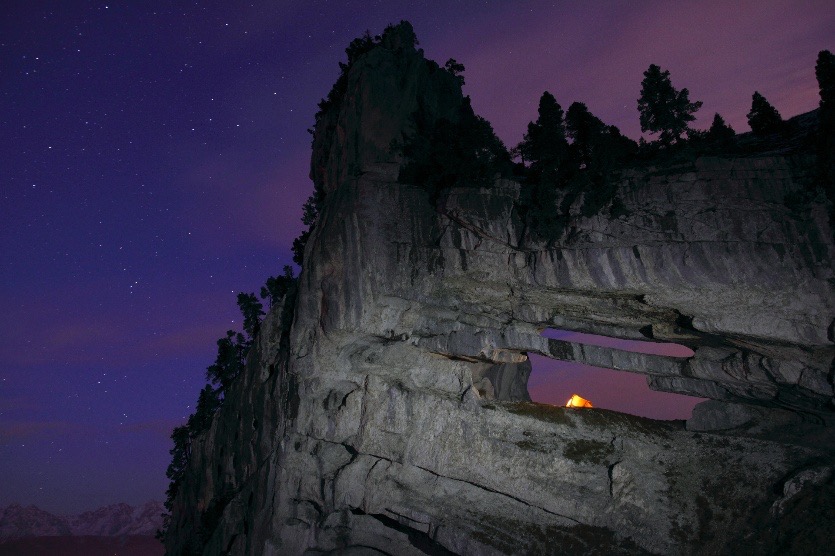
x,y
116,520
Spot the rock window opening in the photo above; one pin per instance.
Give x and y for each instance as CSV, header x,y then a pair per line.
x,y
554,382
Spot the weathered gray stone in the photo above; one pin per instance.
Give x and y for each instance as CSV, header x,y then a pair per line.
x,y
713,415
807,479
387,413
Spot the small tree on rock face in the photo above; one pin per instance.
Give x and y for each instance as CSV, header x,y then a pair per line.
x,y
358,47
663,109
180,455
310,216
252,311
456,69
298,247
208,402
278,286
763,118
311,207
231,352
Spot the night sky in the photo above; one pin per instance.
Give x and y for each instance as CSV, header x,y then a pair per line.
x,y
153,163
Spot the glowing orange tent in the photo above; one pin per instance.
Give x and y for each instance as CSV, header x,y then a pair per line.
x,y
577,401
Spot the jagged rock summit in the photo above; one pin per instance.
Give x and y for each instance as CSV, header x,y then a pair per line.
x,y
384,409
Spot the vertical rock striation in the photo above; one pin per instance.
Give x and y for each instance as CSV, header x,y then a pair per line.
x,y
384,410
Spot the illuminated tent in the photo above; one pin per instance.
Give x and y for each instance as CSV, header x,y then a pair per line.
x,y
577,401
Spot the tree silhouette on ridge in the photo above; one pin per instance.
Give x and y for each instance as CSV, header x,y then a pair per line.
x,y
763,118
663,109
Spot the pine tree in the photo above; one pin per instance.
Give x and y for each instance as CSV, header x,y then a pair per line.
x,y
310,216
208,402
358,47
298,247
278,286
544,145
595,146
180,455
663,109
252,310
763,118
596,149
545,148
456,69
825,74
719,131
463,152
586,132
231,354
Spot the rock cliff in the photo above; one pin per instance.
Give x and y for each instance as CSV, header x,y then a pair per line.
x,y
384,409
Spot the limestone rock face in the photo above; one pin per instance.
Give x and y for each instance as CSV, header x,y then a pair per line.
x,y
387,412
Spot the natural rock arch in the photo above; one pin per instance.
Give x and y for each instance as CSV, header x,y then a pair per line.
x,y
373,434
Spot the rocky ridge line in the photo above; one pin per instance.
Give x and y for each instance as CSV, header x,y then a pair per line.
x,y
115,520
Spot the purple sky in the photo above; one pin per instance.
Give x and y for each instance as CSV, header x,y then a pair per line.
x,y
154,163
555,381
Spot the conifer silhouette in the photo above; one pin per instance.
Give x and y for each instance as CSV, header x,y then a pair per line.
x,y
763,118
663,109
720,132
